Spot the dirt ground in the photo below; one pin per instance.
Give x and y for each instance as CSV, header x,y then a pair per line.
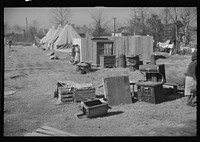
x,y
33,105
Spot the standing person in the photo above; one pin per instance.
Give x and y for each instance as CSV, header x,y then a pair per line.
x,y
73,52
10,43
77,55
191,80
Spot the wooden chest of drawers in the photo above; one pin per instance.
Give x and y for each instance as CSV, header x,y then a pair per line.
x,y
107,61
151,92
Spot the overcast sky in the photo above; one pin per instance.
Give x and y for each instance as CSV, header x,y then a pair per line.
x,y
80,16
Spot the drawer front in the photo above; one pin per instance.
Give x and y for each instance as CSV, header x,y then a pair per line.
x,y
146,99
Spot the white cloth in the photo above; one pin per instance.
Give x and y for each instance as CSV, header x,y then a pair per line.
x,y
77,57
189,82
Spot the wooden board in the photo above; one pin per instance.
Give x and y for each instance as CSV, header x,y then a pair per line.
x,y
37,134
117,90
57,131
49,131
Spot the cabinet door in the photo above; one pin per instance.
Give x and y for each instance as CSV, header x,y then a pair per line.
x,y
100,51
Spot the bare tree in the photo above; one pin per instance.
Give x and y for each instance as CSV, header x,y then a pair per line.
x,y
6,28
188,15
34,28
100,23
138,20
174,14
17,28
164,15
60,15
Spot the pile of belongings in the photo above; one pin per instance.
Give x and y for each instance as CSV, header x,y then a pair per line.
x,y
86,90
64,46
52,56
84,67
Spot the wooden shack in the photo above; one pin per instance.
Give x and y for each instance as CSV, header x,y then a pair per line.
x,y
93,48
137,45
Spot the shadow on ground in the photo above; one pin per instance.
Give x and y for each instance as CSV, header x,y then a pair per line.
x,y
93,70
112,113
83,116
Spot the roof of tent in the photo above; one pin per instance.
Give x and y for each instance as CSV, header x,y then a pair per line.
x,y
56,34
66,36
48,36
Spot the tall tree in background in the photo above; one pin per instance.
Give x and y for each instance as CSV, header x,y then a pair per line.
x,y
174,14
137,22
188,15
6,28
165,18
100,23
60,16
33,29
155,28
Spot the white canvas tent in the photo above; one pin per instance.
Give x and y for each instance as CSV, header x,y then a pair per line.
x,y
48,36
54,37
67,36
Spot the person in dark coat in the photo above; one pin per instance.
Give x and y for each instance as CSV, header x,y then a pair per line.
x,y
10,43
191,80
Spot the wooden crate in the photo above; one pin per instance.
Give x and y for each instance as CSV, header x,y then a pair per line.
x,y
66,95
83,94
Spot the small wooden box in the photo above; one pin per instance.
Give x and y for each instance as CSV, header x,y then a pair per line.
x,y
94,108
107,61
151,92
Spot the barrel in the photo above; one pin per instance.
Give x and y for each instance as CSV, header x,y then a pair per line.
x,y
122,61
153,60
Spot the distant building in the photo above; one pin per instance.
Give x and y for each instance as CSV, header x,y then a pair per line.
x,y
123,31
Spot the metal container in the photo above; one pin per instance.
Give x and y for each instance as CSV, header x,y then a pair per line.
x,y
151,92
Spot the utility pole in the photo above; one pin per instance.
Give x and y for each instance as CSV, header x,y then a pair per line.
x,y
26,24
114,25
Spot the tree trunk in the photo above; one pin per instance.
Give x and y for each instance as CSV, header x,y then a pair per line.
x,y
176,39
